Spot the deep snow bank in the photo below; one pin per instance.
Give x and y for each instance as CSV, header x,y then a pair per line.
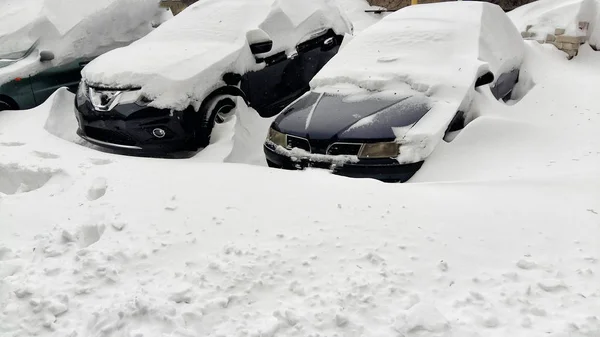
x,y
71,29
546,15
180,62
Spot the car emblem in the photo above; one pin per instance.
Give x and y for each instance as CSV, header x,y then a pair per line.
x,y
104,100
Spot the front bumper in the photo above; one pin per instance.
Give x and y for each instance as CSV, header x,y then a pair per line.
x,y
387,170
130,127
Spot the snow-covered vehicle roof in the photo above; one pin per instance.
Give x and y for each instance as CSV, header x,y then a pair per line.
x,y
181,61
434,49
70,29
544,16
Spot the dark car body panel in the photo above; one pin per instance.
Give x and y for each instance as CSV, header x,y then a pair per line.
x,y
268,91
28,92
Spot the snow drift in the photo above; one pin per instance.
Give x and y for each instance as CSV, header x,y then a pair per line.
x,y
71,29
180,62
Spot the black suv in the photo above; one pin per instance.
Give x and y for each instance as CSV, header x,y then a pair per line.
x,y
122,117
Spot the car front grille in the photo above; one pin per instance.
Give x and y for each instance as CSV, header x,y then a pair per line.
x,y
108,136
347,149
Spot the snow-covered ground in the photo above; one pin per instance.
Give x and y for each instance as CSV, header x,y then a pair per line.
x,y
496,236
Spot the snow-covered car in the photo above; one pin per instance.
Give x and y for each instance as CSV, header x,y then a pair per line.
x,y
44,44
165,92
382,104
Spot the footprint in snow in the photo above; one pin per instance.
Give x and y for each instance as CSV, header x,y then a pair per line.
x,y
98,189
12,144
45,155
99,161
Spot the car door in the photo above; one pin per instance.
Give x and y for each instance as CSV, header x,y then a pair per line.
x,y
47,82
285,78
261,87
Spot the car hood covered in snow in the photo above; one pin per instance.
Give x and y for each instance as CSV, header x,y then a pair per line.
x,y
71,29
181,61
431,51
334,117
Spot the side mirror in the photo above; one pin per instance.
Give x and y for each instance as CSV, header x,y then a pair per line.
x,y
259,41
46,56
484,79
261,47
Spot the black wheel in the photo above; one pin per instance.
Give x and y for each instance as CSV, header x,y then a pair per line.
x,y
4,106
218,109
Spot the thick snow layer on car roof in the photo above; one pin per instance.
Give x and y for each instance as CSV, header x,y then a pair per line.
x,y
70,29
181,61
437,49
545,16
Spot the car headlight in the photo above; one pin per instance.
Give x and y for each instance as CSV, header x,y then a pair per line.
x,y
83,90
277,137
379,150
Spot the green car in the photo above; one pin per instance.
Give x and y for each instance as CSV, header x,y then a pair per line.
x,y
30,91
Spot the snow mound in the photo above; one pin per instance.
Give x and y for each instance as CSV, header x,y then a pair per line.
x,y
184,59
435,49
71,29
544,16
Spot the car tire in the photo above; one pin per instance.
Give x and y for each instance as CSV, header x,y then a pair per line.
x,y
273,165
214,111
4,106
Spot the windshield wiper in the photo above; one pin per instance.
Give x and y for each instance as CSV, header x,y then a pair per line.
x,y
10,58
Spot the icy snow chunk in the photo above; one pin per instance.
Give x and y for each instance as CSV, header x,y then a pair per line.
x,y
421,317
526,264
552,285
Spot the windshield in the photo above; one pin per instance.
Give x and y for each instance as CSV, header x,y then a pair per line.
x,y
11,55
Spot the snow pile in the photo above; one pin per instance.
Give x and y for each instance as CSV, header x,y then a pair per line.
x,y
545,16
180,62
71,29
435,49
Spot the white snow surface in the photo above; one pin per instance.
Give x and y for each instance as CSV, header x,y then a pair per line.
x,y
71,29
183,60
496,236
546,15
434,52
